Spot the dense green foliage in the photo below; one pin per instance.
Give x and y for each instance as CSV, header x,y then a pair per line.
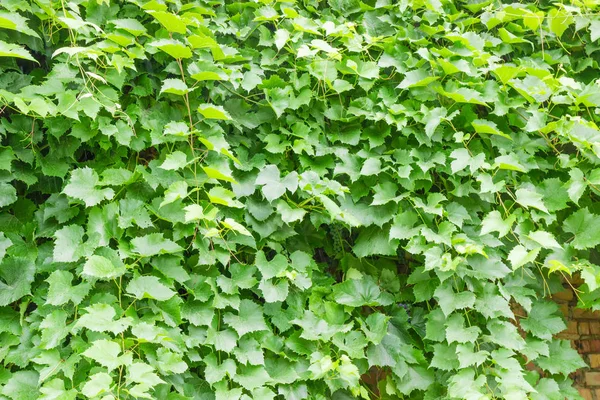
x,y
310,200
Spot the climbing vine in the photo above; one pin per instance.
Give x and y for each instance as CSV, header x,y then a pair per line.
x,y
295,200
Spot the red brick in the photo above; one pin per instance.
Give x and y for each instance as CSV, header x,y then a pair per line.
x,y
588,314
565,295
564,308
597,391
595,360
568,336
595,346
588,346
592,378
595,327
570,333
571,327
578,378
584,328
584,346
586,394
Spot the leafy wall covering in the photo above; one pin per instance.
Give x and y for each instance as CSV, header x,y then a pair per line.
x,y
295,200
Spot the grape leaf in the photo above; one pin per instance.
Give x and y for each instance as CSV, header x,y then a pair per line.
x,y
16,276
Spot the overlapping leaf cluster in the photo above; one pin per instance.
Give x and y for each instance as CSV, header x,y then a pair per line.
x,y
295,200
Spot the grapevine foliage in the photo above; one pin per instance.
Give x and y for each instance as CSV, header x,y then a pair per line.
x,y
295,200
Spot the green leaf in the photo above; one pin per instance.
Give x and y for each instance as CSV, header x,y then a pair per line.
x,y
357,292
7,156
417,378
249,351
493,222
5,243
169,361
555,195
374,241
403,226
273,268
444,357
543,321
559,20
101,318
216,372
530,198
99,383
130,25
17,23
509,162
153,244
230,223
174,161
172,22
585,226
174,86
149,287
576,185
591,276
489,127
210,111
289,214
468,357
116,177
562,359
296,200
457,332
195,212
174,48
22,385
61,291
16,276
82,186
273,187
464,384
281,38
323,70
449,300
220,195
506,72
54,329
520,256
214,173
248,319
224,340
251,377
68,246
533,19
176,191
140,372
8,194
315,328
274,290
102,268
418,77
463,95
14,51
546,239
505,334
106,353
55,390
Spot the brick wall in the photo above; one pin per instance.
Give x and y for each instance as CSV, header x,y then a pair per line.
x,y
583,330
